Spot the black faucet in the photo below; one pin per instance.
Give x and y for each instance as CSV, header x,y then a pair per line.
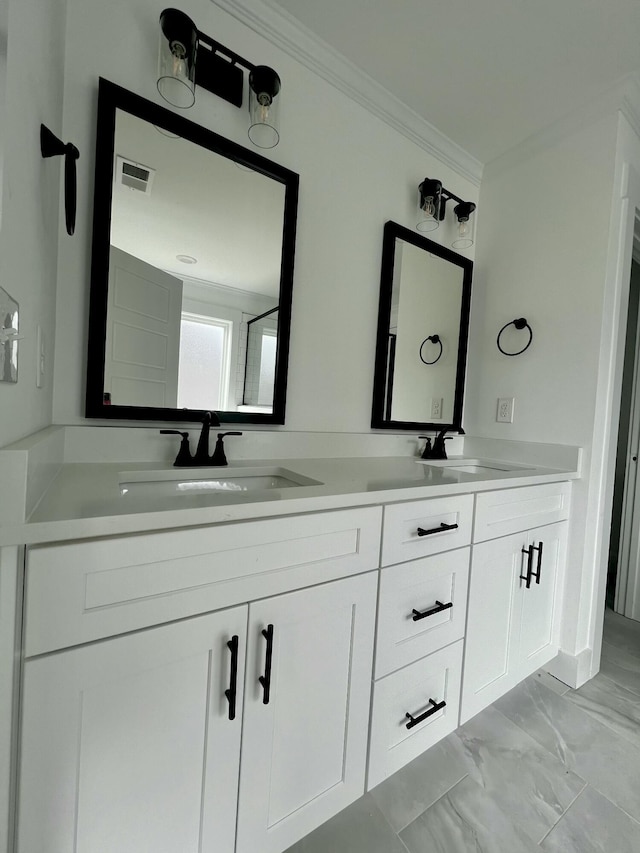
x,y
202,450
219,456
439,451
184,459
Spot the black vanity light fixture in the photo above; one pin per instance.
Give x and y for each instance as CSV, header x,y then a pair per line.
x,y
189,57
432,208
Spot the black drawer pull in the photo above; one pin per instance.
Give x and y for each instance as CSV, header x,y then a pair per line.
x,y
437,609
265,679
527,577
537,548
435,706
440,529
231,693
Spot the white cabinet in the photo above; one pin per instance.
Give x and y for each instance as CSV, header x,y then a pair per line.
x,y
127,741
414,529
514,612
83,591
421,621
422,606
304,751
413,708
127,745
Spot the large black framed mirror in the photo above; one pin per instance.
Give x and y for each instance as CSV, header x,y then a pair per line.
x,y
423,327
191,273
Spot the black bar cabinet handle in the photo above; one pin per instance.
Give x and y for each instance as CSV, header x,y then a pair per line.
x,y
538,548
265,679
527,577
417,615
435,707
231,693
440,529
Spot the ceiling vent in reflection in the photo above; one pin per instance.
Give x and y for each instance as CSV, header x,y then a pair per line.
x,y
134,175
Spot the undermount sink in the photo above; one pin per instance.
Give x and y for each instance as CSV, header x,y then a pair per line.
x,y
189,482
474,466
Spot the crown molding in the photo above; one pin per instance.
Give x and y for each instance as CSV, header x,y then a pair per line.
x,y
288,34
623,96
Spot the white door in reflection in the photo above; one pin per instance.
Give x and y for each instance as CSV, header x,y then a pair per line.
x,y
203,374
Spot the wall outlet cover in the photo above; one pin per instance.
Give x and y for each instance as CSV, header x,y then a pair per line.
x,y
436,407
504,414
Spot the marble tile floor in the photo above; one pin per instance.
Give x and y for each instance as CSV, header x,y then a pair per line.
x,y
545,768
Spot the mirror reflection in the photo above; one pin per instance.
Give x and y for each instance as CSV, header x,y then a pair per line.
x,y
199,243
422,333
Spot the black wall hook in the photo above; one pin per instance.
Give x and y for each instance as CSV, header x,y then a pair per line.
x,y
435,339
51,146
520,323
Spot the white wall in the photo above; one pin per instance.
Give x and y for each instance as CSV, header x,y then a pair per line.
x,y
355,173
30,201
543,244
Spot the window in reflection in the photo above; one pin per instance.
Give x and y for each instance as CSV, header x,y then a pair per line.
x,y
204,365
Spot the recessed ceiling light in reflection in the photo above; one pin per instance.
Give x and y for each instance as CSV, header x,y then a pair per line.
x,y
167,133
186,259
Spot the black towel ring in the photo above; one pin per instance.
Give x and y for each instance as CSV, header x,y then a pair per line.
x,y
520,323
435,339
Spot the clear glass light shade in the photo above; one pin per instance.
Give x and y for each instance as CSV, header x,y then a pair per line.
x,y
429,200
177,59
264,86
466,225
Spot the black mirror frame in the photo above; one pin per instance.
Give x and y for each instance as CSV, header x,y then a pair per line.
x,y
393,231
110,98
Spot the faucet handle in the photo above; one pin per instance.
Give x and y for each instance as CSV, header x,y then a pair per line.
x,y
184,456
219,456
426,453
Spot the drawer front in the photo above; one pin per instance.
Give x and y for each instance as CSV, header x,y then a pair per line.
x,y
508,511
401,540
408,691
435,587
92,589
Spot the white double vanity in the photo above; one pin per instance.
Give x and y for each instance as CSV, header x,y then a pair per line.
x,y
224,670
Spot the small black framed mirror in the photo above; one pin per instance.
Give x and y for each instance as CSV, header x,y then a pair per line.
x,y
192,270
423,328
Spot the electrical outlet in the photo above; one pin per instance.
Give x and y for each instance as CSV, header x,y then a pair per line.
x,y
505,410
436,407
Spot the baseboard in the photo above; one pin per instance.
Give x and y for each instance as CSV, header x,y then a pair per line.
x,y
574,670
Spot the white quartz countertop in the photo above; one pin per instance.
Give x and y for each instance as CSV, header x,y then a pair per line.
x,y
86,500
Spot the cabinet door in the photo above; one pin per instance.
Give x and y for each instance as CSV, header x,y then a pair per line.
x,y
539,631
493,622
304,752
127,745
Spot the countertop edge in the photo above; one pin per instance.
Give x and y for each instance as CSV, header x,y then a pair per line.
x,y
62,530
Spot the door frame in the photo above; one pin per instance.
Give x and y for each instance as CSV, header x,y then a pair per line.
x,y
629,538
625,211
